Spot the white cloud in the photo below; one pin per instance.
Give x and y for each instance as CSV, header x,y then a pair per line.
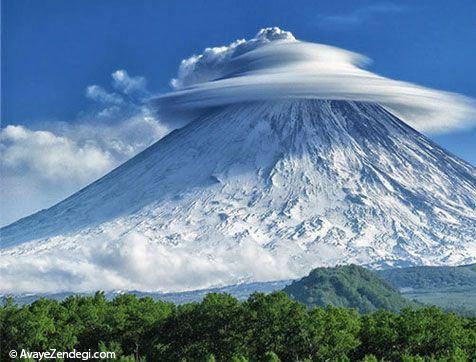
x,y
360,15
99,94
49,156
280,67
41,167
130,263
213,62
46,162
131,86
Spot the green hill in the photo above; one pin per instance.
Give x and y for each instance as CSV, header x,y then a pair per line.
x,y
348,286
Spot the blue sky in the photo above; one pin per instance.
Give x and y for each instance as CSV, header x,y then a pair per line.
x,y
53,50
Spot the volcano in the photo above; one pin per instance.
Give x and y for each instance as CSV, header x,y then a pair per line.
x,y
312,182
256,190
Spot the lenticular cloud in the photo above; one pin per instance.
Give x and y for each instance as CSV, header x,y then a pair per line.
x,y
274,65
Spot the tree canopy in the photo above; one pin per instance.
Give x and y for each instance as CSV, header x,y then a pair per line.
x,y
266,327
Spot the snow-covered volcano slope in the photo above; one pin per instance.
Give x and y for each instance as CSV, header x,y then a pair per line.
x,y
254,191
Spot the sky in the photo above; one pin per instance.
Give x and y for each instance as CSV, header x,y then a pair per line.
x,y
74,72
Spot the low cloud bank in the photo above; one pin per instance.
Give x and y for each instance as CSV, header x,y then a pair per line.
x,y
133,262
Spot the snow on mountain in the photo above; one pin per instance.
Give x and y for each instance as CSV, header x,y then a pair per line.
x,y
289,157
255,191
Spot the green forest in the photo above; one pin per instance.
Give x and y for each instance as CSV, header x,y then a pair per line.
x,y
348,286
265,327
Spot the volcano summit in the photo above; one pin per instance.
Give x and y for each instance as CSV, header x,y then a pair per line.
x,y
264,178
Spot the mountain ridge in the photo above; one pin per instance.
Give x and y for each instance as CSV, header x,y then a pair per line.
x,y
296,184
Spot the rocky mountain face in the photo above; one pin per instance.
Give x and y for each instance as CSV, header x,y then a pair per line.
x,y
269,190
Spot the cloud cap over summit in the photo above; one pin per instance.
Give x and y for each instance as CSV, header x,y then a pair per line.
x,y
274,65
